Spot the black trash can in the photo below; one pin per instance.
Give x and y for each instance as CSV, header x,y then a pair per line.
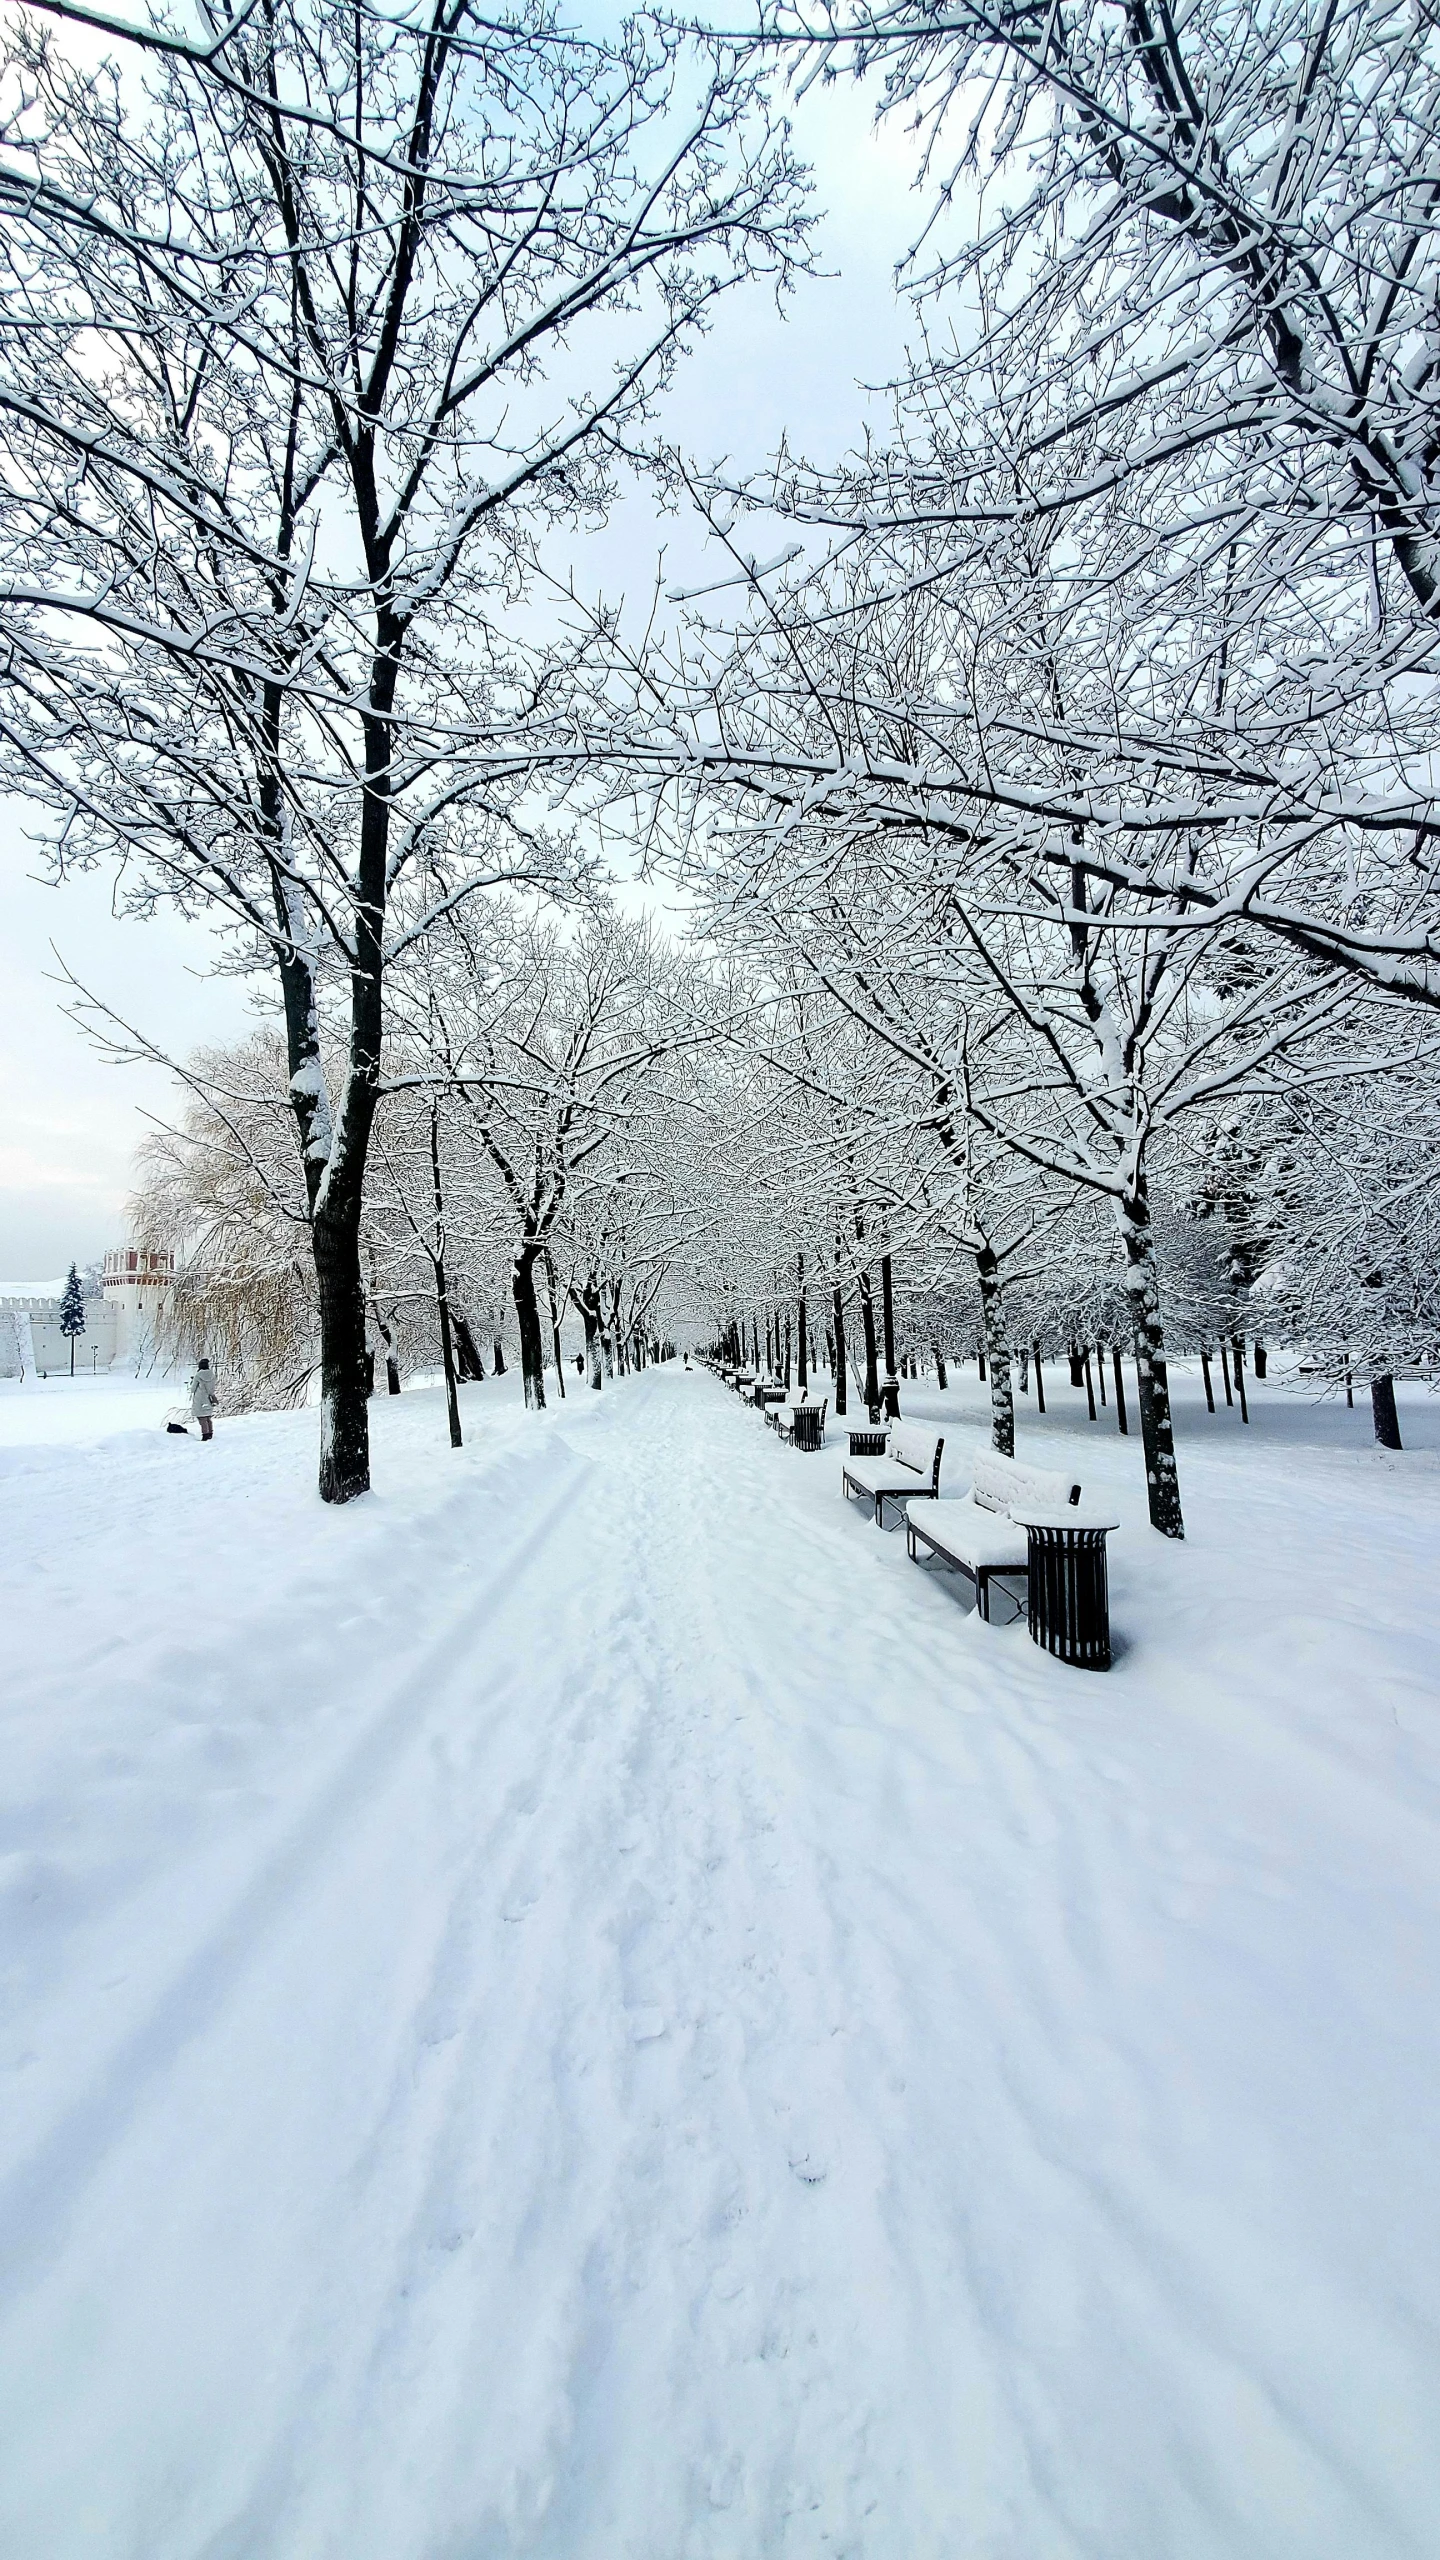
x,y
1070,1588
807,1426
867,1439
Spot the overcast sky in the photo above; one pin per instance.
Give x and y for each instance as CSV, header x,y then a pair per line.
x,y
71,1121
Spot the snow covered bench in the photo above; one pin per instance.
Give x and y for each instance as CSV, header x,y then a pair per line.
x,y
909,1467
979,1536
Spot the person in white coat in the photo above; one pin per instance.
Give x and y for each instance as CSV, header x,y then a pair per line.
x,y
204,1402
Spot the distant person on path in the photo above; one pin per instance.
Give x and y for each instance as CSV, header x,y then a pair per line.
x,y
204,1402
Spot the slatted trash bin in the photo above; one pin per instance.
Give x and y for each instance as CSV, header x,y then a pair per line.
x,y
867,1439
808,1420
1069,1586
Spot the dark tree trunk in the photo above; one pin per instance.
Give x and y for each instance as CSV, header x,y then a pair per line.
x,y
890,1392
442,1295
468,1360
392,1366
309,1098
992,1316
527,1319
344,1410
802,1327
554,1322
1239,1351
1100,1371
941,1380
1039,1380
840,1382
339,1194
1122,1418
1225,1373
1089,1382
1262,1362
1162,1479
867,1326
1382,1406
980,1369
1077,1372
499,1357
1209,1381
447,1359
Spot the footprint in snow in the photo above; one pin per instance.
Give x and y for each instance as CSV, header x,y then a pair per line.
x,y
810,2165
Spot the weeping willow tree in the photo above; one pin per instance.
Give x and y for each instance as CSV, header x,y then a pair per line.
x,y
224,1189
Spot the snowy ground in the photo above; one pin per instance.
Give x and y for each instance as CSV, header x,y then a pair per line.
x,y
585,2007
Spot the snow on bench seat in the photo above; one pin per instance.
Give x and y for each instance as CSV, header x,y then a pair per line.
x,y
978,1535
965,1533
910,1467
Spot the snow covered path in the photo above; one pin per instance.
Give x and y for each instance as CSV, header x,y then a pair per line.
x,y
584,2009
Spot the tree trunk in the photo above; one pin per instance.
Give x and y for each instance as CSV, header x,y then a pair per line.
x,y
1121,1417
1382,1406
890,1391
839,1307
442,1294
1209,1381
1077,1373
338,1197
802,1327
992,1316
1089,1377
1262,1362
392,1365
867,1322
554,1321
499,1357
941,1380
469,1362
1039,1379
1238,1349
527,1319
1225,1373
344,1408
447,1357
1162,1480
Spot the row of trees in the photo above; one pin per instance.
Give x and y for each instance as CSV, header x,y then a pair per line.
x,y
312,332
1055,819
1069,780
520,1166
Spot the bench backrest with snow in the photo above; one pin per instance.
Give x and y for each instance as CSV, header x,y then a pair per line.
x,y
998,1484
980,1536
909,1446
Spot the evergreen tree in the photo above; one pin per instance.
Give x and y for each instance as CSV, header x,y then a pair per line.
x,y
72,1313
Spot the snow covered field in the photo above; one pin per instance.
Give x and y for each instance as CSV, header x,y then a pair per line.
x,y
585,2007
